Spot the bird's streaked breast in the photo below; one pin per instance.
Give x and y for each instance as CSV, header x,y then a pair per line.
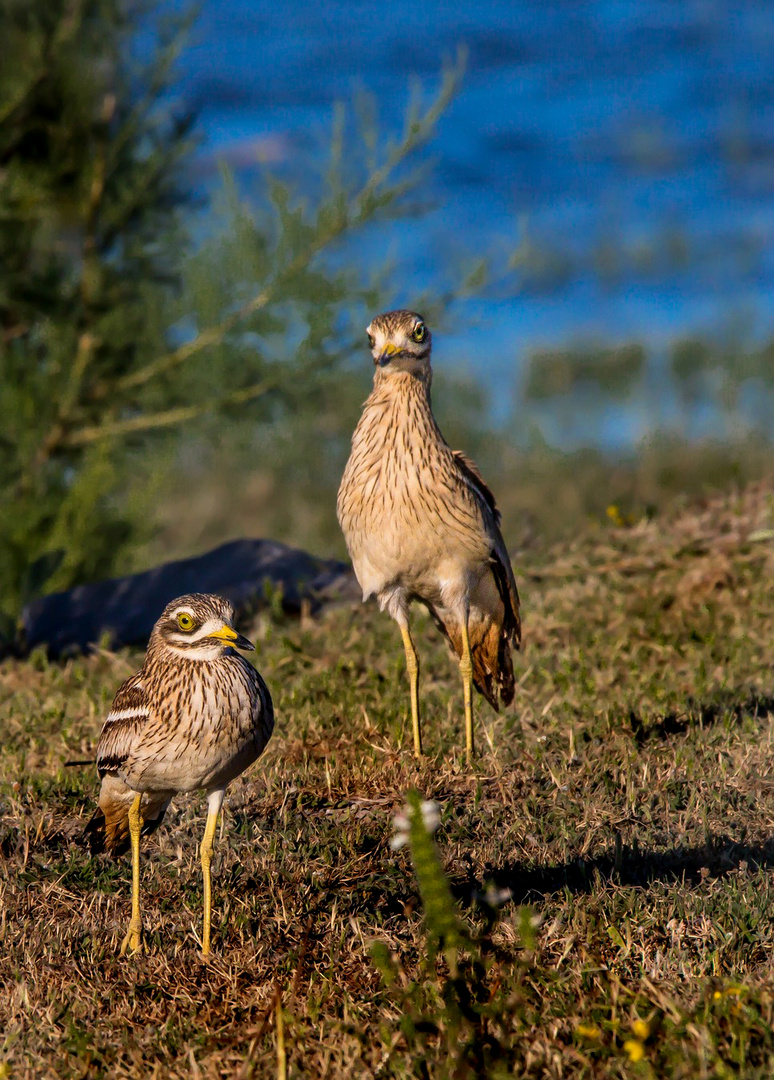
x,y
401,501
199,719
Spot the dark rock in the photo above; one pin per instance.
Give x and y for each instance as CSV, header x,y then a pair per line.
x,y
124,610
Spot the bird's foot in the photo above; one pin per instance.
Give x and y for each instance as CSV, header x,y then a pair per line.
x,y
132,943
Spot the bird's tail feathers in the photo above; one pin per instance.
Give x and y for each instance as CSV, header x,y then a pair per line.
x,y
490,651
108,828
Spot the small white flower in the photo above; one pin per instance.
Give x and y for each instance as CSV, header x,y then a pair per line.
x,y
431,815
431,819
400,825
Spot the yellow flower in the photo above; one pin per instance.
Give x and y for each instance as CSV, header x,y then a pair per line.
x,y
634,1049
641,1029
588,1031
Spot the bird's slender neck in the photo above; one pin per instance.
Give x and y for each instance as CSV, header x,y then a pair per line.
x,y
397,414
392,388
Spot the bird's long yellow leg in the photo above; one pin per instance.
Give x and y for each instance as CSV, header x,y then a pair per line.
x,y
412,665
133,939
213,809
466,671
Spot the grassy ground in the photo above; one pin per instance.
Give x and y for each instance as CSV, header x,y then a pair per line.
x,y
625,803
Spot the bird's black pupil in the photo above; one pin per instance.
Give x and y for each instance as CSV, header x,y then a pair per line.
x,y
419,332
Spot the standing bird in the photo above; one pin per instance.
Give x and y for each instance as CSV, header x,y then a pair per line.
x,y
195,716
421,524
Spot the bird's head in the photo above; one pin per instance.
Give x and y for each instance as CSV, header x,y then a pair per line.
x,y
198,626
400,341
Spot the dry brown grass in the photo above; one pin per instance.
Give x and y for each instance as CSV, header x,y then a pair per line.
x,y
627,799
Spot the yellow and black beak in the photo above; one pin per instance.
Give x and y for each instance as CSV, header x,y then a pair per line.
x,y
229,635
388,351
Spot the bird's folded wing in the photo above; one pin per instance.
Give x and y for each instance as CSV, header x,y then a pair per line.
x,y
473,478
128,715
509,594
501,563
502,570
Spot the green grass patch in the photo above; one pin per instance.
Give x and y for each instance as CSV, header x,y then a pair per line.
x,y
609,855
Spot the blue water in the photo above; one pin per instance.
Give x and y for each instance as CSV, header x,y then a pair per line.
x,y
633,141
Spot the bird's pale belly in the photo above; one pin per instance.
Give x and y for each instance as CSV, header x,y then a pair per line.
x,y
431,567
203,764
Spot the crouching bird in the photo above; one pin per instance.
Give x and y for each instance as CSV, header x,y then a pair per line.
x,y
195,716
421,524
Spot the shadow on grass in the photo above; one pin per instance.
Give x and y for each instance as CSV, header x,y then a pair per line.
x,y
624,866
725,706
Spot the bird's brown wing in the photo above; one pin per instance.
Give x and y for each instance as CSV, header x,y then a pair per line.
x,y
509,594
473,478
491,642
128,715
499,560
108,829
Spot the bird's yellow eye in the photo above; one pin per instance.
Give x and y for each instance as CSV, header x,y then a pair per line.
x,y
185,621
419,332
371,341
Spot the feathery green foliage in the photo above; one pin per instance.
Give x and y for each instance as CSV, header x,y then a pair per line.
x,y
91,190
450,1010
443,929
102,351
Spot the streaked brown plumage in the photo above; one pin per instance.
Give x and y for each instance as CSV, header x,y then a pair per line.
x,y
195,716
421,524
